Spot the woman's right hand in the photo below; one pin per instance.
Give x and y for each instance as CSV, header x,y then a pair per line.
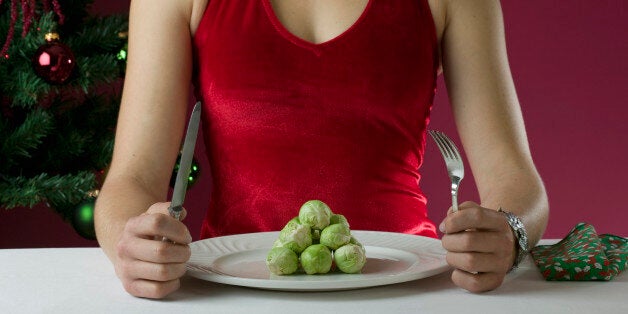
x,y
148,265
149,130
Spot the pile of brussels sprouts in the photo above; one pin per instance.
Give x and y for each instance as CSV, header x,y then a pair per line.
x,y
315,240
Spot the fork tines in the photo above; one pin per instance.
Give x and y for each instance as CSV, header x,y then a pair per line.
x,y
444,144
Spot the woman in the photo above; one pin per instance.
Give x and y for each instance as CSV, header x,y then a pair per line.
x,y
317,99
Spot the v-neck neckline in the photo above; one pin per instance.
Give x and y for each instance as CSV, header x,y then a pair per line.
x,y
287,34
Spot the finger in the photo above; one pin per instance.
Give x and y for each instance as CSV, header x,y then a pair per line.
x,y
477,241
151,289
162,208
159,225
154,251
464,205
477,262
451,210
475,218
477,282
153,271
467,204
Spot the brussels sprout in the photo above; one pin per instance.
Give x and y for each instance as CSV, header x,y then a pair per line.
x,y
282,261
335,236
356,242
277,243
294,236
350,258
338,219
316,236
315,214
316,259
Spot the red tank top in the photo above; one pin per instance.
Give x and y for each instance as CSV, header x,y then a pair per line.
x,y
344,121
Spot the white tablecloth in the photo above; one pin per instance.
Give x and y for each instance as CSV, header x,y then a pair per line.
x,y
81,280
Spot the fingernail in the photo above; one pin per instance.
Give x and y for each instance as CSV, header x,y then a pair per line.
x,y
441,227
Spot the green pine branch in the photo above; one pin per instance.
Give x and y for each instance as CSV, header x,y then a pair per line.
x,y
55,189
100,35
95,48
18,145
55,138
26,88
96,69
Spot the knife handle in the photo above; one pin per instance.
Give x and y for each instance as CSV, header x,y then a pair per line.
x,y
175,211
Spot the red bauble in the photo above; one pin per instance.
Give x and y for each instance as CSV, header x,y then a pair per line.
x,y
54,62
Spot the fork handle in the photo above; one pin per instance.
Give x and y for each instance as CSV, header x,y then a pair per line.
x,y
455,182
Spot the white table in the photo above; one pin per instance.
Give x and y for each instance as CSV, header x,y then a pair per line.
x,y
81,280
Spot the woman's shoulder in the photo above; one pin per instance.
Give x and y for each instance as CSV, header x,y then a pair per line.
x,y
189,12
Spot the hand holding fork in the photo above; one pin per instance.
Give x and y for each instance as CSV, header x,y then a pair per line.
x,y
474,238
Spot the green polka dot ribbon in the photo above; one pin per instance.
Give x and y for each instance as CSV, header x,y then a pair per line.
x,y
582,255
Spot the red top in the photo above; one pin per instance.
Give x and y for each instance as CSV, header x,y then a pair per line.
x,y
344,121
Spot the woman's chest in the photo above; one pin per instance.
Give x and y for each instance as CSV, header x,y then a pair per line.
x,y
318,21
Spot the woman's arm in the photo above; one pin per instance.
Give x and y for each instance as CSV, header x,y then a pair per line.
x,y
148,135
490,124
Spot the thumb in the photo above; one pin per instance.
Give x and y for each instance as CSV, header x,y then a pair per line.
x,y
441,226
450,210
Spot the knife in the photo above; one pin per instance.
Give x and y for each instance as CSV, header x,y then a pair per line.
x,y
181,183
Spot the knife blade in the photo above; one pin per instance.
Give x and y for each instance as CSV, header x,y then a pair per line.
x,y
181,183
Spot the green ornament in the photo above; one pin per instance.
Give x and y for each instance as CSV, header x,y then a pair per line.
x,y
83,219
195,171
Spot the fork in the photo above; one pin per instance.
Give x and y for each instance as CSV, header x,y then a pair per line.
x,y
453,161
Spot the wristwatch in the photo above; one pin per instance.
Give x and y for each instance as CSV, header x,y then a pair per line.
x,y
520,233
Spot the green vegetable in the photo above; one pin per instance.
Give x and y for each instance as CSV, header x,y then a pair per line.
x,y
356,242
335,236
338,219
295,236
350,258
315,214
316,259
319,237
316,236
282,261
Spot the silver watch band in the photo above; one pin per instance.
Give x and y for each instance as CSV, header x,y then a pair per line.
x,y
521,235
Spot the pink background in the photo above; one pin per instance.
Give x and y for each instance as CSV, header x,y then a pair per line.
x,y
570,64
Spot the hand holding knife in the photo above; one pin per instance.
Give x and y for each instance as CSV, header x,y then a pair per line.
x,y
181,183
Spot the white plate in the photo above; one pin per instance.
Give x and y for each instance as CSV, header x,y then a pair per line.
x,y
391,258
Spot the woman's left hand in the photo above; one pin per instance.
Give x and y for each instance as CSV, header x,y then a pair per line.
x,y
480,246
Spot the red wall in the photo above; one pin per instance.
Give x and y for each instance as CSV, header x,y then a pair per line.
x,y
571,71
570,64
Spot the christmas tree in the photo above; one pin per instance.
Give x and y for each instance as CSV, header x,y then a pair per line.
x,y
61,71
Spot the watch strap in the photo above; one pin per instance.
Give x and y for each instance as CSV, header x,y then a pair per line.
x,y
521,236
